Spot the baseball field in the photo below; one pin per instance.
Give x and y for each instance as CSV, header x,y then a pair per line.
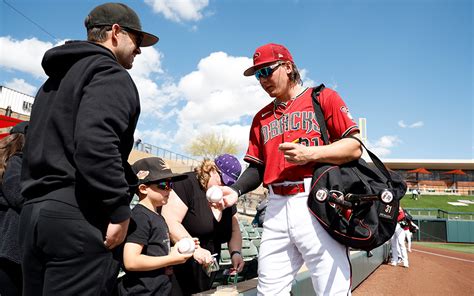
x,y
434,270
440,202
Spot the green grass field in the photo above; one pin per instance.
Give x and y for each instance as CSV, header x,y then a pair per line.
x,y
464,248
438,202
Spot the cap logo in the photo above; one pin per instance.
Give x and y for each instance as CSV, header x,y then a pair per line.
x,y
256,55
142,174
280,55
163,164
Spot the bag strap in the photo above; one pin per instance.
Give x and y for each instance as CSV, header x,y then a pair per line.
x,y
318,111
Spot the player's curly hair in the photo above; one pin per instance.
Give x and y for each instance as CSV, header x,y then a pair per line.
x,y
9,145
295,75
204,170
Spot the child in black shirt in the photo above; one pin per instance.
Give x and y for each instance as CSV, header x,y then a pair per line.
x,y
147,256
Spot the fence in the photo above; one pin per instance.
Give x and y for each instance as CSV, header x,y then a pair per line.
x,y
440,214
166,154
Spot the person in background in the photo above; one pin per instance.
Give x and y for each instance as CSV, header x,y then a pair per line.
x,y
284,145
75,175
147,256
260,214
397,242
11,203
409,227
415,194
189,214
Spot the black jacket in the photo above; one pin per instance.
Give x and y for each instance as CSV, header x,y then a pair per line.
x,y
81,132
11,203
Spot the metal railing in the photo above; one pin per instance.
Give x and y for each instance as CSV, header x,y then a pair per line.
x,y
440,214
166,154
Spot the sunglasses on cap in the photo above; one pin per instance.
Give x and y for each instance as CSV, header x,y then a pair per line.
x,y
164,185
267,71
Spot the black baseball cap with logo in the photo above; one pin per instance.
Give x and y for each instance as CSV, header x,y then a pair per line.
x,y
117,13
154,169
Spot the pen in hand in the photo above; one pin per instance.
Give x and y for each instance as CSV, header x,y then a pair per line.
x,y
296,141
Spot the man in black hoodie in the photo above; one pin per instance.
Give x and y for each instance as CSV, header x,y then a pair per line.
x,y
75,173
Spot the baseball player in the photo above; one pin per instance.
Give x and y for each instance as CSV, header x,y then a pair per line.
x,y
397,241
285,143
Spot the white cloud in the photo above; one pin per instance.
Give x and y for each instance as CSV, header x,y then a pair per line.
x,y
402,124
218,96
155,97
24,55
21,86
178,11
417,124
382,147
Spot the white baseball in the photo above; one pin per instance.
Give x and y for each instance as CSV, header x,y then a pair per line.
x,y
186,245
214,194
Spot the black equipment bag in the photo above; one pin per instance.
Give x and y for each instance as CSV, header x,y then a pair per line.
x,y
356,203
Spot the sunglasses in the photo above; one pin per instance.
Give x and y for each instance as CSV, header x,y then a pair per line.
x,y
137,37
164,185
267,71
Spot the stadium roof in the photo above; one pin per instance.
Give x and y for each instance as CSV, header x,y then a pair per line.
x,y
439,164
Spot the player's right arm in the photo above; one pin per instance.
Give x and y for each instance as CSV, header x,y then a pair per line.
x,y
250,179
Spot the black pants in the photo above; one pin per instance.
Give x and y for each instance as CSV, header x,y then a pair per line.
x,y
10,278
63,253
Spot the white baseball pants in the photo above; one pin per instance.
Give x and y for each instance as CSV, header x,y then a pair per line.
x,y
291,237
398,246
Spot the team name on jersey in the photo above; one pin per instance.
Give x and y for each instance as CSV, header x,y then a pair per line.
x,y
294,121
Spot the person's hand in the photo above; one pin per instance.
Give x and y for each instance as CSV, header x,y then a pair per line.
x,y
295,153
229,197
238,262
178,257
203,256
116,234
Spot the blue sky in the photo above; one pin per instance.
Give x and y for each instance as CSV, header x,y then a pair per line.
x,y
405,65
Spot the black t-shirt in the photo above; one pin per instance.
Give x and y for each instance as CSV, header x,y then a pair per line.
x,y
199,220
149,229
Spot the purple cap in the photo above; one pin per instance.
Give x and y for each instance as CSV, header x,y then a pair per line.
x,y
229,167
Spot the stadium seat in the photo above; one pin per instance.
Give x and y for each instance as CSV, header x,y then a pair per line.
x,y
252,232
225,259
244,234
249,251
256,242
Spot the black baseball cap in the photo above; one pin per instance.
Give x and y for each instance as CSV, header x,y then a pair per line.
x,y
117,13
153,169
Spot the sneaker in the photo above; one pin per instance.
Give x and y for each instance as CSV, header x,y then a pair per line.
x,y
405,265
393,263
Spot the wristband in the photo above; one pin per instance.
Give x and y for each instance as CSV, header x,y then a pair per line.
x,y
235,252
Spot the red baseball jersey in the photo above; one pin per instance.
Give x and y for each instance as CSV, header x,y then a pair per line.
x,y
275,124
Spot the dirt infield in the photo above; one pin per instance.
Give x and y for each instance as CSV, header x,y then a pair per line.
x,y
431,272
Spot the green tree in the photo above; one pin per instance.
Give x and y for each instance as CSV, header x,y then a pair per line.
x,y
210,145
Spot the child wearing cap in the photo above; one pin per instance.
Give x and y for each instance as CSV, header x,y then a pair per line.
x,y
189,214
147,255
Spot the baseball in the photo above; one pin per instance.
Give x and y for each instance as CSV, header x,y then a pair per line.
x,y
214,194
186,245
